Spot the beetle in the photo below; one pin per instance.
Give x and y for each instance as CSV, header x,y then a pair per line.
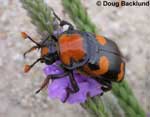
x,y
92,54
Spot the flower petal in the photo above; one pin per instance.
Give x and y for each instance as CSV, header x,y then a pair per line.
x,y
57,89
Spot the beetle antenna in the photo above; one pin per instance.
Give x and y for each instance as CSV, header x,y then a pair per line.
x,y
28,67
30,50
25,36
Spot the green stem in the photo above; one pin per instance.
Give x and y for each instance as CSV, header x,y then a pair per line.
x,y
40,14
95,106
127,100
79,16
122,91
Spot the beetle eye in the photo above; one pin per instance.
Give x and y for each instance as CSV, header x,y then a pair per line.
x,y
44,51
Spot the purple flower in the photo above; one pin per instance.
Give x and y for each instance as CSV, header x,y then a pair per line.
x,y
57,88
58,32
148,114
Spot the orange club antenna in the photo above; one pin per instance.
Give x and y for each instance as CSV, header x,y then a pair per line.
x,y
27,68
25,36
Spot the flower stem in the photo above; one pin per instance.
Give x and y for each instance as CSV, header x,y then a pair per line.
x,y
95,106
127,100
79,15
122,91
40,14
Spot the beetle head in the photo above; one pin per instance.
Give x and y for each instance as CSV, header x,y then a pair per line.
x,y
47,49
49,52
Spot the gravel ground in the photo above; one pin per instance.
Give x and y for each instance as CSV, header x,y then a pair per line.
x,y
129,27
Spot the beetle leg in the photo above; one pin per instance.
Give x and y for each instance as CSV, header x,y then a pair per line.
x,y
53,37
56,15
46,81
68,90
75,87
73,83
44,84
107,85
62,23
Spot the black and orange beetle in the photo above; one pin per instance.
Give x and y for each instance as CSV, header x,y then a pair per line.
x,y
91,54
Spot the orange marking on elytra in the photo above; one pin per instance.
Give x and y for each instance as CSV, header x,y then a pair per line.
x,y
71,46
101,40
103,65
121,74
